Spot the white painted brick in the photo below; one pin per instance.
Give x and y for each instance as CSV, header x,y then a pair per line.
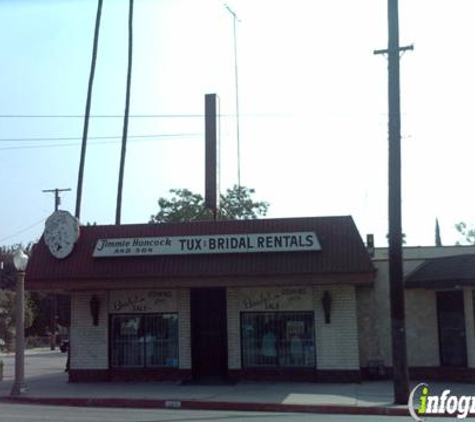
x,y
89,343
234,335
184,331
337,342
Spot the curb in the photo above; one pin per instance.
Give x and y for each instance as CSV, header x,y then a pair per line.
x,y
210,405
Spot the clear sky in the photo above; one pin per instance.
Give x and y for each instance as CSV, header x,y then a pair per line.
x,y
313,103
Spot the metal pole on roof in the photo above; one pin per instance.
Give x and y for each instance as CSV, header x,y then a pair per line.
x,y
396,282
236,88
87,114
126,114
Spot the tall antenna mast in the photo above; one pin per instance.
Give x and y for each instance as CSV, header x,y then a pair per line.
x,y
236,87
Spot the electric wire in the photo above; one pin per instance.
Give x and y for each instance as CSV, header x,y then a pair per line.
x,y
23,230
76,138
145,138
133,116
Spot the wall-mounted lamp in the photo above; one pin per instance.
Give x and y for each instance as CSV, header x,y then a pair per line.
x,y
95,306
327,306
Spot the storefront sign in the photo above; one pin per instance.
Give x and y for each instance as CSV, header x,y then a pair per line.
x,y
142,301
211,244
276,299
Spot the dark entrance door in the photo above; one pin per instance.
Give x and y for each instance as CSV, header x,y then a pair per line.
x,y
208,334
451,316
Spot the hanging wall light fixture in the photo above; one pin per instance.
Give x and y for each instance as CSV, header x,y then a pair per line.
x,y
95,307
327,306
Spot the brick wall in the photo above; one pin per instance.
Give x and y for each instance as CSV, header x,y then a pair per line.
x,y
368,333
379,312
184,340
422,337
89,343
337,342
234,335
469,326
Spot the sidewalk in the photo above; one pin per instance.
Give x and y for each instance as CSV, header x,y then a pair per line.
x,y
369,398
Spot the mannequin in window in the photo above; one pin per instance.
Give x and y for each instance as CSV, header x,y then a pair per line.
x,y
269,347
296,350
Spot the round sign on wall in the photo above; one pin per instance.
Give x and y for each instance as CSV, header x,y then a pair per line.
x,y
61,233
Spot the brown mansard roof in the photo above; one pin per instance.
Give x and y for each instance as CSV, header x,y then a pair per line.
x,y
343,257
444,272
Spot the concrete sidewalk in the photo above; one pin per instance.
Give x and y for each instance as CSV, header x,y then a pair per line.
x,y
370,398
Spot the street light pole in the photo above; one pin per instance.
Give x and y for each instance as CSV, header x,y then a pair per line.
x,y
20,260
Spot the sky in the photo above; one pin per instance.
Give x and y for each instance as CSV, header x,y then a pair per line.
x,y
312,101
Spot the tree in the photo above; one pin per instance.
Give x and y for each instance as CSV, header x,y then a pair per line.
x,y
467,232
236,204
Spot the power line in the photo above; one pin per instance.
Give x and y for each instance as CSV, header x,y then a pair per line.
x,y
76,144
23,230
136,116
76,138
96,116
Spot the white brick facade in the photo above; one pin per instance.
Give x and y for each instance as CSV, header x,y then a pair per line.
x,y
234,335
184,329
89,343
337,342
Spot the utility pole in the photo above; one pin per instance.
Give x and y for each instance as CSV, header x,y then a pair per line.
x,y
57,199
396,283
53,298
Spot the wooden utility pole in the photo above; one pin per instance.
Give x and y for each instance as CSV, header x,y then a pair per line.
x,y
396,282
53,298
57,199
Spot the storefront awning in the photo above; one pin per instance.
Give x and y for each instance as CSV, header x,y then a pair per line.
x,y
336,254
446,272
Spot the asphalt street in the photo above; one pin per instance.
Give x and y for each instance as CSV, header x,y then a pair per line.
x,y
37,363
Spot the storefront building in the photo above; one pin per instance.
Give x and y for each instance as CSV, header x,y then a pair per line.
x,y
249,299
440,314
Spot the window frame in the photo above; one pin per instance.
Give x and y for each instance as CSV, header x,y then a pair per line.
x,y
278,366
143,320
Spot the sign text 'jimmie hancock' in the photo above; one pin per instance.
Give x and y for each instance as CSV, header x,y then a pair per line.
x,y
208,244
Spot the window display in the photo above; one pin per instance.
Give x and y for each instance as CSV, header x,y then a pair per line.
x,y
149,340
278,339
